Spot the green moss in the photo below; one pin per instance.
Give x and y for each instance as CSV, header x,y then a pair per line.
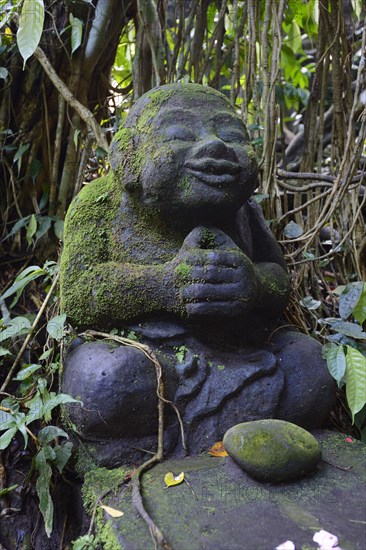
x,y
123,137
108,537
272,450
208,239
184,271
96,483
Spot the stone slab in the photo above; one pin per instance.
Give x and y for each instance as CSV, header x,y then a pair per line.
x,y
222,508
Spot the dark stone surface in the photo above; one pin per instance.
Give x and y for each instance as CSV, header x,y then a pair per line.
x,y
272,450
170,245
222,508
213,388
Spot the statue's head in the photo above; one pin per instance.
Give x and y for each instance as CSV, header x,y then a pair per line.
x,y
183,151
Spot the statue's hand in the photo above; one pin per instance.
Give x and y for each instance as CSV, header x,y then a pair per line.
x,y
213,274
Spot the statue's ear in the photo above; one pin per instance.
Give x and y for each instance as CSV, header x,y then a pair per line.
x,y
115,156
120,156
130,180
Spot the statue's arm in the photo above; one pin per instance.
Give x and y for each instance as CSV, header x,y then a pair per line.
x,y
96,290
272,279
112,293
273,288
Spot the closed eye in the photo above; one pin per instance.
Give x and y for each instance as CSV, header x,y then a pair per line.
x,y
178,133
231,136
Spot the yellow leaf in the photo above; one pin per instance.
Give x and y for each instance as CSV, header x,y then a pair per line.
x,y
112,511
218,449
170,479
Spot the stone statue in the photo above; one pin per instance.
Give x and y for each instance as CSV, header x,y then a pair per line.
x,y
169,247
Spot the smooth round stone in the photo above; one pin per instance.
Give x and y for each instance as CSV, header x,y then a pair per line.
x,y
272,450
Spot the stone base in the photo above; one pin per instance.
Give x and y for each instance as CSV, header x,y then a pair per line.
x,y
223,508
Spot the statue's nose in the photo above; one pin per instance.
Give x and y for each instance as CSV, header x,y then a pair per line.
x,y
214,147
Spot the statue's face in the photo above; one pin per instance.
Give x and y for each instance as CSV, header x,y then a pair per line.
x,y
199,162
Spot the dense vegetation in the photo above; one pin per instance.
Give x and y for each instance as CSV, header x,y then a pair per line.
x,y
70,70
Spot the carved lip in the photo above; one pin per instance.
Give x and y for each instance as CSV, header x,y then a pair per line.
x,y
214,171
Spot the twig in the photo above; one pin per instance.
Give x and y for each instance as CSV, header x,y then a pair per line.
x,y
56,154
85,114
313,176
12,181
344,468
14,367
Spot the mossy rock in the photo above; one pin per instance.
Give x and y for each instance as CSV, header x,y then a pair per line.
x,y
272,450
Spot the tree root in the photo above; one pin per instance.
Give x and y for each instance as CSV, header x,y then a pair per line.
x,y
137,501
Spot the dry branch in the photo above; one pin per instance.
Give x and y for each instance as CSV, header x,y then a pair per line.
x,y
83,112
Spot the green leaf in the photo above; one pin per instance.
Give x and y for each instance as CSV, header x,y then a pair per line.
x,y
336,361
357,7
30,27
6,421
6,438
310,303
63,453
4,73
49,433
76,32
19,154
4,351
34,269
59,229
54,401
349,329
49,453
17,227
15,327
76,137
292,230
31,229
349,299
44,226
308,255
260,197
20,283
43,403
55,327
35,169
27,372
7,490
86,542
355,380
42,487
294,36
21,427
45,355
359,313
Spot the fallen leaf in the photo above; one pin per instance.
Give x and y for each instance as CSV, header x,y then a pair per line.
x,y
112,511
288,545
170,479
218,449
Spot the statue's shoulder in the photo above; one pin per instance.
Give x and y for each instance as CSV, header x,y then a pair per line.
x,y
95,202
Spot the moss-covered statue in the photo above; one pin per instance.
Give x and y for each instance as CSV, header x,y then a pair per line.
x,y
169,246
